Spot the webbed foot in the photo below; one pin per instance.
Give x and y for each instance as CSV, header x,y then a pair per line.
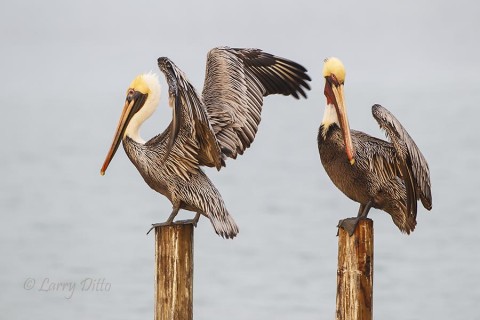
x,y
349,225
171,223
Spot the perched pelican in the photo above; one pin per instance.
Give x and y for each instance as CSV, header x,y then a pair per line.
x,y
390,176
205,129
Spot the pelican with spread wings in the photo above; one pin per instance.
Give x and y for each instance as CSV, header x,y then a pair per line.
x,y
206,129
391,176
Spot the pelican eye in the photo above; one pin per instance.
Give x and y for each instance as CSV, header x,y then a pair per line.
x,y
130,94
333,80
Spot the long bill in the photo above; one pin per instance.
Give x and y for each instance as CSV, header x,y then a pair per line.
x,y
128,111
339,103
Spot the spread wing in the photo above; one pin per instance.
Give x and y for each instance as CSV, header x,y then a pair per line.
x,y
191,140
236,81
410,161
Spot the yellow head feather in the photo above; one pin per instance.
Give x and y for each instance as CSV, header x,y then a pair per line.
x,y
334,66
139,84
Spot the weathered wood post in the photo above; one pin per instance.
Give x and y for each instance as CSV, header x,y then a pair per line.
x,y
174,272
355,273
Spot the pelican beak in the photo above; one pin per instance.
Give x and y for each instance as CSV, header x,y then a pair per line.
x,y
334,93
135,100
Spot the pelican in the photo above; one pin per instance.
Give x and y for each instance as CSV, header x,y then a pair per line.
x,y
205,129
390,176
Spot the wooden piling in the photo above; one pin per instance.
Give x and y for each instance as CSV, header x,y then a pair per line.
x,y
355,273
174,272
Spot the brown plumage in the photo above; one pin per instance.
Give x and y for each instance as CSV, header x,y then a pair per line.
x,y
391,176
207,128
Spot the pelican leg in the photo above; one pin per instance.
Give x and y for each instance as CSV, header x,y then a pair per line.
x,y
360,210
195,220
350,224
169,221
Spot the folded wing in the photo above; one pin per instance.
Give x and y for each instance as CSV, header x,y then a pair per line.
x,y
409,160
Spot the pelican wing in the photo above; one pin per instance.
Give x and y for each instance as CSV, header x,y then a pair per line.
x,y
191,140
411,163
236,81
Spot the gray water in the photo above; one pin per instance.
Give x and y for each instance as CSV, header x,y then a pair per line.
x,y
65,67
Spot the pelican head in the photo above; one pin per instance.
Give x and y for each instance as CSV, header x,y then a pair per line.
x,y
334,73
142,99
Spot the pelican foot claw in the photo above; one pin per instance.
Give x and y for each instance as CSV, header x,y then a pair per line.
x,y
188,221
171,223
349,225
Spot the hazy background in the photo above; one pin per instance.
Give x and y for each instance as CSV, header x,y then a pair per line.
x,y
65,66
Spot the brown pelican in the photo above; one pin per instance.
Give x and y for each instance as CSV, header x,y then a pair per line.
x,y
205,129
373,172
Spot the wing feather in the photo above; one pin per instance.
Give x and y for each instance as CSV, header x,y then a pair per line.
x,y
379,155
192,141
411,162
236,81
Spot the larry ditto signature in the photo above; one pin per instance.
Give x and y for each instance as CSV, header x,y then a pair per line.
x,y
67,288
